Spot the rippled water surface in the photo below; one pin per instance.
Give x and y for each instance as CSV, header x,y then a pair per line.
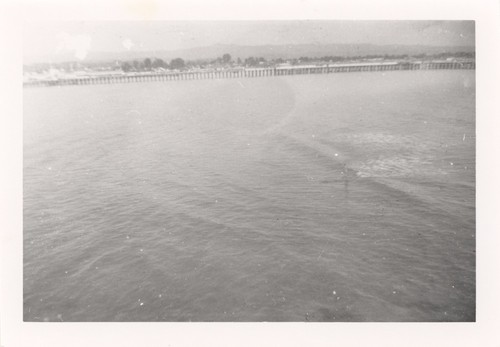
x,y
341,197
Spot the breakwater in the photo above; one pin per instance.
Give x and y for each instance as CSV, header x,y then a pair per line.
x,y
246,72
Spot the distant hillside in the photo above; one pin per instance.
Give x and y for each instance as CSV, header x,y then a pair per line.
x,y
267,51
310,50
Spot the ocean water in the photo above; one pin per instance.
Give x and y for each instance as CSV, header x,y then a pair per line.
x,y
340,197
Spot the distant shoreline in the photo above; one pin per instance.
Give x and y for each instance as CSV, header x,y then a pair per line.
x,y
119,76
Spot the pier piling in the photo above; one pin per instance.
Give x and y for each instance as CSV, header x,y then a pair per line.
x,y
254,72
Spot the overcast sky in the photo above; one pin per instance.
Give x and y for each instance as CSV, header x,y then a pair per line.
x,y
52,38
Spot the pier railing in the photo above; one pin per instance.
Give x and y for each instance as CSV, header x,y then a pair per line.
x,y
249,72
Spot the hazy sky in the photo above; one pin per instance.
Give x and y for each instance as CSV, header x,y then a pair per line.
x,y
52,38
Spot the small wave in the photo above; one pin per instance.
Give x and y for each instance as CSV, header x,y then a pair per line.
x,y
375,138
314,148
397,166
416,194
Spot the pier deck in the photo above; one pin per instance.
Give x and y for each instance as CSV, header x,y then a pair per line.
x,y
250,72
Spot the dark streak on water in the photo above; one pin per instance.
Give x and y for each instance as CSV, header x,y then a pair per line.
x,y
346,197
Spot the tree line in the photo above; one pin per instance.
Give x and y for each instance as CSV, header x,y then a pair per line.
x,y
150,64
226,60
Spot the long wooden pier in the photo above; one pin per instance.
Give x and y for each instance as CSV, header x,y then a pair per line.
x,y
250,72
